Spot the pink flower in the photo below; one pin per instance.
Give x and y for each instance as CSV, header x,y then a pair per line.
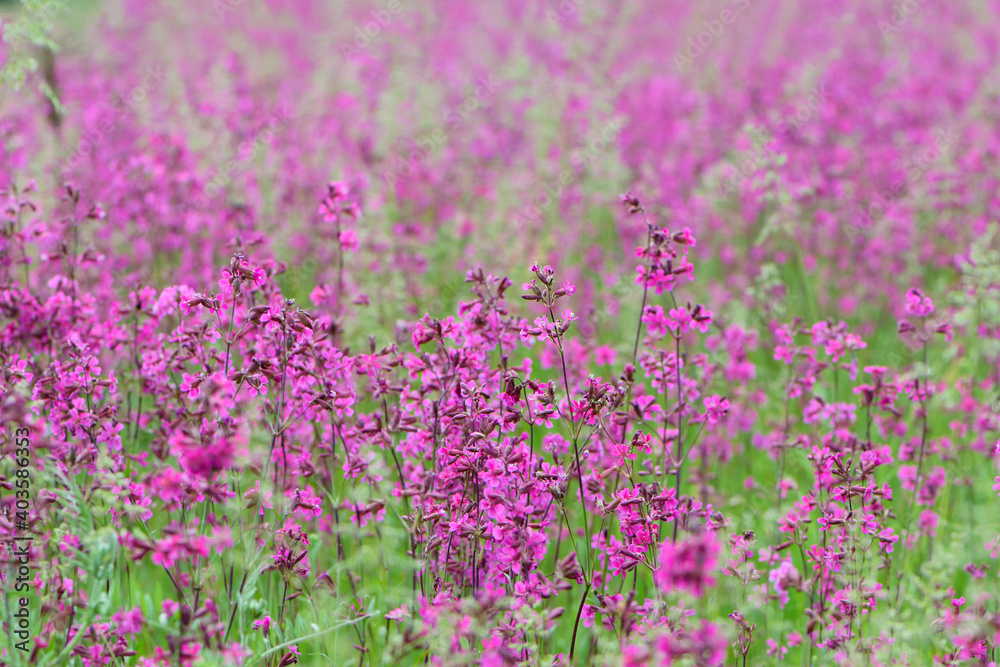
x,y
604,356
641,442
680,318
685,238
657,278
929,522
128,622
622,451
776,651
349,240
887,540
657,322
264,625
687,565
702,318
398,614
716,408
190,385
918,304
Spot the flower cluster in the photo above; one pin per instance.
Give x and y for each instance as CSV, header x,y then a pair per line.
x,y
246,425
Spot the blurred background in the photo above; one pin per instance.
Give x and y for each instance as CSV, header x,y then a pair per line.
x,y
849,142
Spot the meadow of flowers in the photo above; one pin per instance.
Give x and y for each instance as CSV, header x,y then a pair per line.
x,y
534,332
